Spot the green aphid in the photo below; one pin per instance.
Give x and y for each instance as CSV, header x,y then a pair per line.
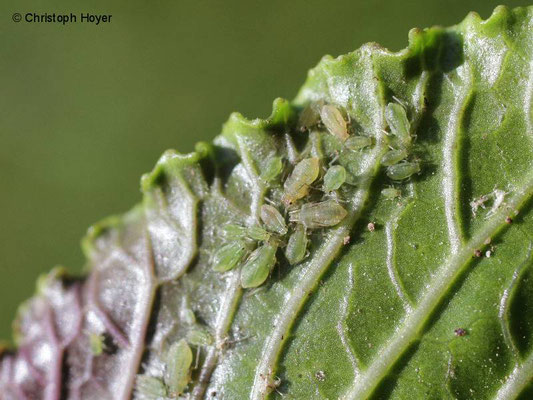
x,y
334,121
258,266
228,256
241,232
355,143
393,157
319,215
309,117
199,337
272,169
334,178
97,343
391,193
297,245
273,220
399,124
150,388
187,316
303,175
179,360
403,170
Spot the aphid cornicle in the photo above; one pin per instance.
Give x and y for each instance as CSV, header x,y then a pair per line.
x,y
297,245
258,266
393,157
334,178
319,215
150,388
273,220
297,184
396,117
179,361
403,170
228,256
334,121
272,169
355,143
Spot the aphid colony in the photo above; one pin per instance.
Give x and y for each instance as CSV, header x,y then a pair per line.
x,y
254,248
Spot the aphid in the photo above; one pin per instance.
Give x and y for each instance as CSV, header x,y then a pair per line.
x,y
371,227
393,157
179,361
97,343
459,332
258,266
199,337
297,245
399,124
228,256
355,143
320,376
334,178
477,253
334,121
273,220
150,387
272,169
308,118
391,193
346,240
403,170
252,232
319,215
297,184
508,220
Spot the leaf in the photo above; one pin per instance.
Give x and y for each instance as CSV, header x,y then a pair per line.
x,y
424,291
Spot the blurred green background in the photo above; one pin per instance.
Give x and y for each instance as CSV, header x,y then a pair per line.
x,y
87,109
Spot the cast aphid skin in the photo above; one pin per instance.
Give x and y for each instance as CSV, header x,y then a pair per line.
x,y
393,157
256,269
297,245
228,256
96,341
242,232
355,143
391,193
273,220
334,178
309,117
319,215
199,337
297,184
179,361
403,170
400,127
150,388
334,121
272,169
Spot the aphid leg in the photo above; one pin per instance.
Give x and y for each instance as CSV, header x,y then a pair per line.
x,y
397,100
333,160
197,358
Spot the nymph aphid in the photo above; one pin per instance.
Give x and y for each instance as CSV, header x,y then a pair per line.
x,y
400,127
309,117
355,143
228,256
258,266
303,175
393,157
273,220
97,343
199,337
272,169
319,215
179,360
334,121
403,170
391,193
334,178
150,388
244,232
297,245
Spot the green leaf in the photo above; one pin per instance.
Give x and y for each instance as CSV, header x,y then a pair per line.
x,y
412,279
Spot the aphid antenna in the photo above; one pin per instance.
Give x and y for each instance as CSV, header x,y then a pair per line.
x,y
400,102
